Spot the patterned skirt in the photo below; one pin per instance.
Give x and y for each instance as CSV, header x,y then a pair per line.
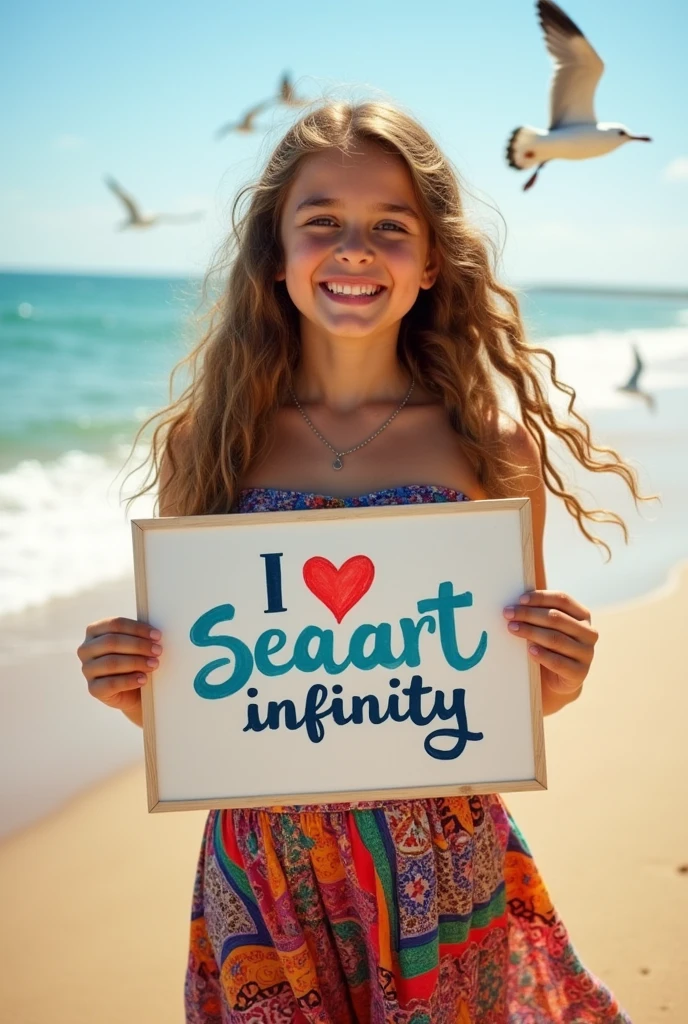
x,y
421,912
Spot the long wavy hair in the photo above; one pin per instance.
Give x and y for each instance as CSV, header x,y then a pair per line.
x,y
463,339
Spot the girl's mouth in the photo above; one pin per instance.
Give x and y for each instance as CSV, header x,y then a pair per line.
x,y
367,294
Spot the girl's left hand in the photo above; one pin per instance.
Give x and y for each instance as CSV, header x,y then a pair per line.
x,y
559,636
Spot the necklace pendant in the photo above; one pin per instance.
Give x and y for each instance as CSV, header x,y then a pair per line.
x,y
338,464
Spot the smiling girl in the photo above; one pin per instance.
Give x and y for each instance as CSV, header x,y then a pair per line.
x,y
357,357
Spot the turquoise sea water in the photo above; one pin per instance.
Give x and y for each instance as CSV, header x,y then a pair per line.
x,y
85,358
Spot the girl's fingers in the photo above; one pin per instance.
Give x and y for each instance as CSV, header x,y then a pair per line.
x,y
120,624
551,618
553,640
108,688
554,599
125,700
117,643
117,666
565,675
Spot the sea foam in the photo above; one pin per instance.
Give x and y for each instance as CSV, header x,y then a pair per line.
x,y
62,527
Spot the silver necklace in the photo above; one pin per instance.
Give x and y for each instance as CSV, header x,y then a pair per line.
x,y
338,464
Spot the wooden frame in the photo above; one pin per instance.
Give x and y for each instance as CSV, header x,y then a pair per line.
x,y
141,528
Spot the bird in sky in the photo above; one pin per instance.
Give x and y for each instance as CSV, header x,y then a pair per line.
x,y
137,219
245,124
631,385
287,95
574,132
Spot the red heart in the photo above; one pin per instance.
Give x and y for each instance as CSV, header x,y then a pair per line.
x,y
339,589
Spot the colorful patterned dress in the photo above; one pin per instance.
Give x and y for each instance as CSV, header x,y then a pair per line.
x,y
395,912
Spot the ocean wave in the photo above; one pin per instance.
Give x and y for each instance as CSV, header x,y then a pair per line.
x,y
62,527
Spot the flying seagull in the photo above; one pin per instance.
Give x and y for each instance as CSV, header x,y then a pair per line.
x,y
631,385
287,94
246,123
137,219
574,132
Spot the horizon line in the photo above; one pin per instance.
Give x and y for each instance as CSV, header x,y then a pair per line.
x,y
620,288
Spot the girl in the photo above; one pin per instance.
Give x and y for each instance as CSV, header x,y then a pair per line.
x,y
355,359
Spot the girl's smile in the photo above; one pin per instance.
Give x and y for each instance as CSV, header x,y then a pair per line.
x,y
353,291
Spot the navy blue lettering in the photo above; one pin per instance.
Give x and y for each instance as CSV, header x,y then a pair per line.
x,y
273,582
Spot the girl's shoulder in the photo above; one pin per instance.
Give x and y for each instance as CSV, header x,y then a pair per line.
x,y
516,440
521,450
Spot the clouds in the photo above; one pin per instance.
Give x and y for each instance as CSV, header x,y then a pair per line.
x,y
676,170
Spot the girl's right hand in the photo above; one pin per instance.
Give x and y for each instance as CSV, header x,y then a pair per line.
x,y
116,656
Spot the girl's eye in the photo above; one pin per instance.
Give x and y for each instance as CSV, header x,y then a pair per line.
x,y
328,221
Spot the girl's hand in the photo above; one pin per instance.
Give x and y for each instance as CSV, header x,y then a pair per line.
x,y
559,636
116,657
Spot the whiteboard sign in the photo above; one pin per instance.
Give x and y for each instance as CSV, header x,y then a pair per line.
x,y
338,655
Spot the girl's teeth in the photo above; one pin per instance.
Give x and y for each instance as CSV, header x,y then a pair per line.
x,y
356,289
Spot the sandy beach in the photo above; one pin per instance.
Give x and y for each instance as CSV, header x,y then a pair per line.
x,y
96,894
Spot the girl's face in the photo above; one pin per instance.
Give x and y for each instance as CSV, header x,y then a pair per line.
x,y
352,220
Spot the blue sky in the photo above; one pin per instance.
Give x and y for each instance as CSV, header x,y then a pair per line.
x,y
137,91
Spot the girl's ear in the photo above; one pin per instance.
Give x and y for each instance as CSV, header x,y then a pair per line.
x,y
432,269
281,275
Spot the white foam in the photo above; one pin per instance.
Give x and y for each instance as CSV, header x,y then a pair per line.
x,y
62,528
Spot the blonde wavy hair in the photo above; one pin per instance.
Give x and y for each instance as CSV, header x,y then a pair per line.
x,y
463,339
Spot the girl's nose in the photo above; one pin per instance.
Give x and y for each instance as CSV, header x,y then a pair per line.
x,y
354,249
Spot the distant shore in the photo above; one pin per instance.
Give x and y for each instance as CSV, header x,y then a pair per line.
x,y
608,291
641,291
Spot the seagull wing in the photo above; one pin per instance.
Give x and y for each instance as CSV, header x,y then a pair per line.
x,y
125,198
286,90
245,123
254,111
577,68
632,382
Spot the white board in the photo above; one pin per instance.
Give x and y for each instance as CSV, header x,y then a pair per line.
x,y
365,656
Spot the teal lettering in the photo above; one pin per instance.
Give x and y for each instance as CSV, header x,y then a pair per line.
x,y
381,654
445,604
411,632
265,648
323,657
243,659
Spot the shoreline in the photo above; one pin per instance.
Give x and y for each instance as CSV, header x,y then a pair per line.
x,y
112,883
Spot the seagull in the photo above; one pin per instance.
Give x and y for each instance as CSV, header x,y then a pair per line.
x,y
137,219
574,132
246,123
287,94
631,385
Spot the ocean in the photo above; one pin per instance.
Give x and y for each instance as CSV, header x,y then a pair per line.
x,y
84,359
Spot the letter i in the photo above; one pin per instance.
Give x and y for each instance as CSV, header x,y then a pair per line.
x,y
273,582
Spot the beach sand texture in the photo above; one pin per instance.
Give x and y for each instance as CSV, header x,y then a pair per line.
x,y
96,896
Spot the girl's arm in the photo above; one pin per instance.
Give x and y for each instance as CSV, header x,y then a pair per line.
x,y
556,625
